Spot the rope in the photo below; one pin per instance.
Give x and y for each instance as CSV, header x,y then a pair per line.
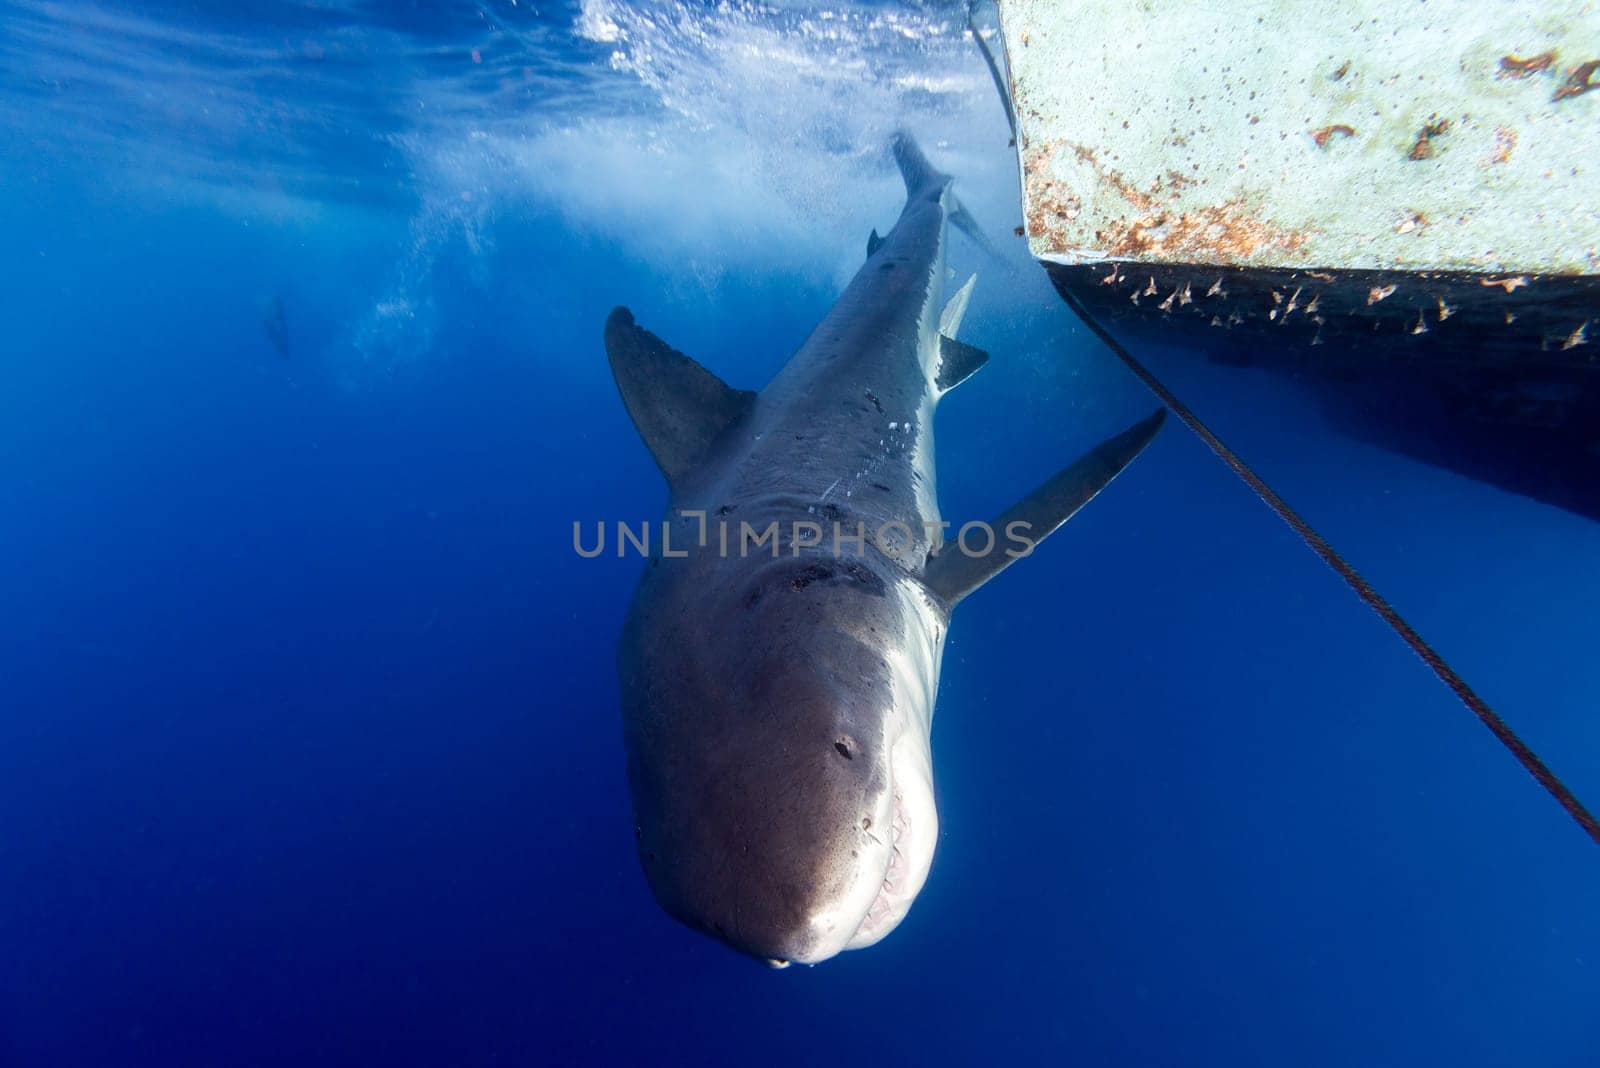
x,y
994,72
1374,600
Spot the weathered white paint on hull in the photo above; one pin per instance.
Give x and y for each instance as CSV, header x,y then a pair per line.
x,y
1279,134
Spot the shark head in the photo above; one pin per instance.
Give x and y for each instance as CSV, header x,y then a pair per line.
x,y
781,775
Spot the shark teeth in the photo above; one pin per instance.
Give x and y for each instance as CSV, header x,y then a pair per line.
x,y
884,905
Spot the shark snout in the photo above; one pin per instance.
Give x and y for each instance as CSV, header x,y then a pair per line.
x,y
781,860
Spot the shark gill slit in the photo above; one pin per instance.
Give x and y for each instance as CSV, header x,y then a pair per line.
x,y
1363,589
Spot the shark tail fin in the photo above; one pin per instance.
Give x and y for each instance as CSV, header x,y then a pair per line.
x,y
678,406
953,574
918,173
922,177
962,220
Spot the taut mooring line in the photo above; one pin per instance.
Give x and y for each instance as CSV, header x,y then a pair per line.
x,y
994,72
1330,556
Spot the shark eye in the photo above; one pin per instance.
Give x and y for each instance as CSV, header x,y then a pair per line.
x,y
844,748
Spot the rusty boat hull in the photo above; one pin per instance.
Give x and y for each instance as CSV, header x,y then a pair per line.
x,y
1393,203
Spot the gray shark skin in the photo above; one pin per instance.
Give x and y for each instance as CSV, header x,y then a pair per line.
x,y
778,696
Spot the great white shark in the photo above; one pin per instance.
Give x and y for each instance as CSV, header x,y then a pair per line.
x,y
779,663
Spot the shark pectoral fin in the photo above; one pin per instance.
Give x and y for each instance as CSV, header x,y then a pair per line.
x,y
874,243
956,572
678,406
957,362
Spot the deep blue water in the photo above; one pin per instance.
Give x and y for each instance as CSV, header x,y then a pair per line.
x,y
309,740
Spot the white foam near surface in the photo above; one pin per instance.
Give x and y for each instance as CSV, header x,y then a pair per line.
x,y
1162,132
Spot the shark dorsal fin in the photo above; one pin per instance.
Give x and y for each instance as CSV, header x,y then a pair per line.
x,y
678,406
874,243
956,572
957,362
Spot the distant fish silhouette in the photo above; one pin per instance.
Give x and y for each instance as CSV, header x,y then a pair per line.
x,y
272,323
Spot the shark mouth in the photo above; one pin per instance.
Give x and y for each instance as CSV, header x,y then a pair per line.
x,y
894,896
